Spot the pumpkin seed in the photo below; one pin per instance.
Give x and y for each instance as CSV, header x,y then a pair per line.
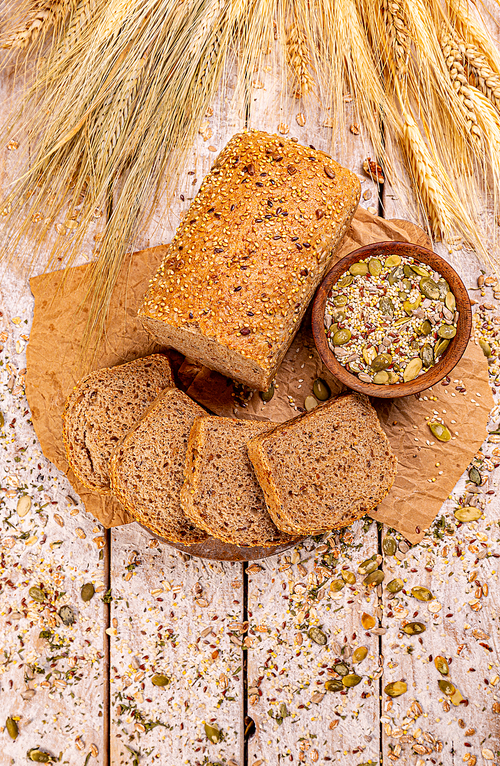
x,y
441,347
334,685
23,505
87,591
67,615
348,577
450,301
321,390
408,271
456,698
421,593
340,300
475,476
37,594
394,586
441,665
160,680
367,621
341,668
440,431
425,328
443,288
414,628
427,355
310,402
337,585
351,680
374,578
359,269
386,306
39,756
389,546
344,281
266,396
395,275
341,337
381,361
486,348
381,377
12,728
317,635
213,733
359,654
374,267
468,513
446,687
392,260
429,288
420,270
447,331
412,369
396,688
368,565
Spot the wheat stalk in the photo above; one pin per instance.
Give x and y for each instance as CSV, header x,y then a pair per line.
x,y
33,21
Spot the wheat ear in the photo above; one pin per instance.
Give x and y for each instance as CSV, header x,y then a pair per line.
x,y
397,33
39,18
299,60
454,61
484,78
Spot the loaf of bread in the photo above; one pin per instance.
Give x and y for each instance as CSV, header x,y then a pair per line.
x,y
221,494
325,468
102,408
147,467
249,254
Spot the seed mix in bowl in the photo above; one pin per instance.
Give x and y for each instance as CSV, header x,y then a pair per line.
x,y
388,320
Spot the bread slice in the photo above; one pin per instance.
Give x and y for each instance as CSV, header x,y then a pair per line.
x,y
221,493
326,468
102,408
147,467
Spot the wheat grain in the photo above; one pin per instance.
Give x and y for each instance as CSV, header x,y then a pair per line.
x,y
454,61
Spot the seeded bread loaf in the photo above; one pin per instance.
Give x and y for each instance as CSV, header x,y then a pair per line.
x,y
249,254
102,408
221,493
147,467
326,468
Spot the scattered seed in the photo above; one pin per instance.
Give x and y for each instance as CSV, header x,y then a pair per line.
x,y
396,688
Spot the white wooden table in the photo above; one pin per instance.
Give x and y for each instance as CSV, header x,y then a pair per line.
x,y
232,639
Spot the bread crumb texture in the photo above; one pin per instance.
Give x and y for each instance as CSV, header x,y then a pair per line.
x,y
103,407
221,493
249,254
147,467
324,469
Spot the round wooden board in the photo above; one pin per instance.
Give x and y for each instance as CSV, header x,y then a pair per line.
x,y
211,548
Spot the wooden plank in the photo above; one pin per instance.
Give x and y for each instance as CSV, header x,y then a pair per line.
x,y
53,676
177,616
285,667
195,601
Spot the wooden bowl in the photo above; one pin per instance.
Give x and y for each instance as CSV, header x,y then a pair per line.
x,y
447,361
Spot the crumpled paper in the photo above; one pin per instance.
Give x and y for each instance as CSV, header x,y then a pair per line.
x,y
55,364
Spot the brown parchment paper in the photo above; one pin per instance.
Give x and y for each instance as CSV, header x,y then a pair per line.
x,y
54,365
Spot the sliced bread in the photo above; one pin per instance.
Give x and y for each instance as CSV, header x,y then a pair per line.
x,y
102,408
147,467
221,493
326,468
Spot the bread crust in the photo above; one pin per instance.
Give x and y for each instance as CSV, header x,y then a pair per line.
x,y
249,254
259,457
